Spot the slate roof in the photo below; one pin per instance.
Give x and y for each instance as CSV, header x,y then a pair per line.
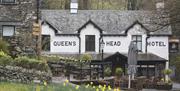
x,y
110,21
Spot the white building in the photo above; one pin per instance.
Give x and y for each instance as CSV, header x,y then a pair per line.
x,y
81,32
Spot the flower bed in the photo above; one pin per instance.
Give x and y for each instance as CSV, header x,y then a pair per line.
x,y
23,69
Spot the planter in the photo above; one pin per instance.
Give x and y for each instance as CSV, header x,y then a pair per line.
x,y
164,86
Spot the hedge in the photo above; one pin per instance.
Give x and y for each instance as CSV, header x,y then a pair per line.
x,y
23,62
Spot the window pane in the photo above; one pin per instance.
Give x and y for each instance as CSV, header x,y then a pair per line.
x,y
133,38
139,38
90,42
8,30
8,1
139,45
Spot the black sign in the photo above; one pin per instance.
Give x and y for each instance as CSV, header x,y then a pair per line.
x,y
156,43
113,43
64,43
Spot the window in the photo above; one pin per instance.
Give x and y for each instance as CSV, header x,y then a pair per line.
x,y
45,42
8,30
173,47
7,1
137,39
90,43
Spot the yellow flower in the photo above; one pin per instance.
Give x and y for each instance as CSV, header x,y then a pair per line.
x,y
117,89
45,83
109,87
64,84
103,89
77,87
38,88
97,89
67,81
100,86
87,86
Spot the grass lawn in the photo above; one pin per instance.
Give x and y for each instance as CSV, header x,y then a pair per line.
x,y
9,86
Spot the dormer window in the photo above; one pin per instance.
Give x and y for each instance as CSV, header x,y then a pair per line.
x,y
137,40
8,1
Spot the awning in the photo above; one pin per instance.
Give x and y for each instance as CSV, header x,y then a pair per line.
x,y
141,56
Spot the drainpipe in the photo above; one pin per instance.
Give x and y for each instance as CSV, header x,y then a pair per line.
x,y
79,43
147,42
37,11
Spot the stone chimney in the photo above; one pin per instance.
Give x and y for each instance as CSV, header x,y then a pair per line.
x,y
74,6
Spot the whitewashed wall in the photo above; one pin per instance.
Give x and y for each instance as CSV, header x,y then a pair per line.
x,y
46,30
61,44
125,40
90,30
159,46
64,44
112,43
116,44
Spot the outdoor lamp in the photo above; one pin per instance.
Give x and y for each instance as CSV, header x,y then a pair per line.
x,y
102,44
102,51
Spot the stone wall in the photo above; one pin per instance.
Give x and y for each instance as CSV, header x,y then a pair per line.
x,y
20,14
19,74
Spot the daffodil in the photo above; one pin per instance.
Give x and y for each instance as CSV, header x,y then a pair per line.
x,y
100,86
117,89
38,88
77,87
64,84
109,87
103,89
87,86
94,87
97,89
91,83
67,81
45,83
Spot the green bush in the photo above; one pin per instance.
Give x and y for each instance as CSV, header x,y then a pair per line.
x,y
107,71
167,71
28,63
4,46
3,54
118,71
86,57
6,60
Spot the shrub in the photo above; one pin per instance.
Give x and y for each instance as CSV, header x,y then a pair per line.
x,y
86,57
28,63
6,60
3,54
167,71
118,71
107,71
4,46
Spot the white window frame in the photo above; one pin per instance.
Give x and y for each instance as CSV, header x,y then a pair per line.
x,y
4,2
136,41
8,26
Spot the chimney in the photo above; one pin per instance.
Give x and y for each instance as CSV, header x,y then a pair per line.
x,y
74,6
159,5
